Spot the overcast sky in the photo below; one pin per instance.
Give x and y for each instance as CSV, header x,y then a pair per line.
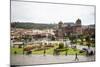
x,y
51,13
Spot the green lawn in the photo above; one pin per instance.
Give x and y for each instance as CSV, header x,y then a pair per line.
x,y
18,50
48,51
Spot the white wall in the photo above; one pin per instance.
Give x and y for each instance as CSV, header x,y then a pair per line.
x,y
5,33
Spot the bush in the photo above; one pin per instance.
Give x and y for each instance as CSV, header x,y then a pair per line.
x,y
20,46
81,51
29,52
28,48
61,45
93,45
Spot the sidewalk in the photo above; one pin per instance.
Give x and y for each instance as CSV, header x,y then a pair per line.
x,y
40,59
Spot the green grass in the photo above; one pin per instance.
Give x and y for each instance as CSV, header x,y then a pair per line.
x,y
48,51
18,50
72,52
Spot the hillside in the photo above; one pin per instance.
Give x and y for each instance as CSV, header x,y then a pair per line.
x,y
28,25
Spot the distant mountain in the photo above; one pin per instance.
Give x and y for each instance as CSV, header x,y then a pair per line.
x,y
28,25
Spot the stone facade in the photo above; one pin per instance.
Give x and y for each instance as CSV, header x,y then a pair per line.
x,y
65,29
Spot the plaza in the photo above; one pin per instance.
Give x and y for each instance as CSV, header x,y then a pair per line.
x,y
48,59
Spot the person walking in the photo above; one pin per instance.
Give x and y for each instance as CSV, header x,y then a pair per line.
x,y
44,51
76,57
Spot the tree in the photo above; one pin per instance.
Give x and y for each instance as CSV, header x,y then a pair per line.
x,y
88,41
61,45
72,38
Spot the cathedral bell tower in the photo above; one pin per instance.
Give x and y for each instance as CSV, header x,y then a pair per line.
x,y
60,30
78,22
60,25
78,27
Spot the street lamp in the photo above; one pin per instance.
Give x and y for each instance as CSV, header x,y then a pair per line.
x,y
23,45
24,42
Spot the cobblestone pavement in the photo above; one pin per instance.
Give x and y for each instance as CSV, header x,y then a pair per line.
x,y
48,59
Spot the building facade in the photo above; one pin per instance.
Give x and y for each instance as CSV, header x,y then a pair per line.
x,y
66,29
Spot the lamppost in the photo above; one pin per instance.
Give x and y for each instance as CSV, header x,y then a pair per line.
x,y
23,45
44,43
76,39
24,42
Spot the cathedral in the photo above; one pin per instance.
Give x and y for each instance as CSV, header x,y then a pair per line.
x,y
66,29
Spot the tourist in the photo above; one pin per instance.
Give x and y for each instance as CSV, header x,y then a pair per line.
x,y
76,57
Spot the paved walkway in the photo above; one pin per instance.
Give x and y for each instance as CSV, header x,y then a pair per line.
x,y
40,59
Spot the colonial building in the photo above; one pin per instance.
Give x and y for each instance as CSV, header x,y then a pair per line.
x,y
65,29
90,30
19,34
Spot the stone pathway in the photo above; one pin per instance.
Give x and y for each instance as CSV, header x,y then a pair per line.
x,y
48,59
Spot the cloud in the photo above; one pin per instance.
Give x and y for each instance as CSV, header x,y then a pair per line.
x,y
51,13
